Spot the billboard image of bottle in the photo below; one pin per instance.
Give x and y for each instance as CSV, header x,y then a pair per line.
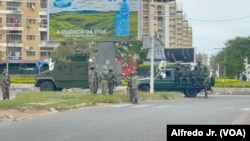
x,y
93,20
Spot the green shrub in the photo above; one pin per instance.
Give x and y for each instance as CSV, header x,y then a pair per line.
x,y
23,79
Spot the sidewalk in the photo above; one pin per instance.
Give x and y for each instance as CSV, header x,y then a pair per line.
x,y
23,87
245,91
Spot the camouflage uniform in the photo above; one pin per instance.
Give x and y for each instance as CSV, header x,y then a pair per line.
x,y
135,82
104,79
206,82
93,83
5,84
129,88
184,78
111,81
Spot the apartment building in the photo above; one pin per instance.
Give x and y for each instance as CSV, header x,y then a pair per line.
x,y
23,35
166,19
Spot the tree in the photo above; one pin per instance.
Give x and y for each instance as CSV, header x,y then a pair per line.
x,y
127,48
123,48
60,54
233,55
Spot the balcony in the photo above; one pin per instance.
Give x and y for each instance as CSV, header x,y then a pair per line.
x,y
14,9
43,27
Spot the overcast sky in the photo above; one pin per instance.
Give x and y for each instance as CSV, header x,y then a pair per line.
x,y
214,22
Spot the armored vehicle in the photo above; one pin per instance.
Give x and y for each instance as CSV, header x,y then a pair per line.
x,y
72,73
180,78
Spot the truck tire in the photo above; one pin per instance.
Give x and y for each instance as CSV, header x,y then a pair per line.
x,y
47,86
144,88
190,92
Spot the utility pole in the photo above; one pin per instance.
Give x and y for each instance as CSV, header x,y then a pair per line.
x,y
152,47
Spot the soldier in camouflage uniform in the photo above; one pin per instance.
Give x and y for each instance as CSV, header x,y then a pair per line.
x,y
135,82
5,84
111,81
207,81
104,79
129,87
178,74
199,74
93,80
185,76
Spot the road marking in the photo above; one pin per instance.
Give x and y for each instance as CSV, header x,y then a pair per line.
x,y
224,108
121,105
163,106
245,109
140,106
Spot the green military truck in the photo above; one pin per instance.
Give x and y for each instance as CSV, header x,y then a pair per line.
x,y
180,79
72,73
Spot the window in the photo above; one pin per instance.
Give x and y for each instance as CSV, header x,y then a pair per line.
x,y
31,37
168,73
13,5
43,4
45,53
31,21
14,53
31,5
30,53
14,38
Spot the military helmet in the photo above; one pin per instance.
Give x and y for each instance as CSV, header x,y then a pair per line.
x,y
92,67
110,69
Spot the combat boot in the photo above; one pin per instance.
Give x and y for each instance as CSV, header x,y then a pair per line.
x,y
135,101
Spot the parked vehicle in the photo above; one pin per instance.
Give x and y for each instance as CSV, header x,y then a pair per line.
x,y
180,78
70,74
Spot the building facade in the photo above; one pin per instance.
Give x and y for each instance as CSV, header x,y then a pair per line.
x,y
23,34
24,28
165,20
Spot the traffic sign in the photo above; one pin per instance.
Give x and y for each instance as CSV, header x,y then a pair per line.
x,y
39,64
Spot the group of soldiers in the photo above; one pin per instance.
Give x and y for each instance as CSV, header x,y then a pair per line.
x,y
5,84
107,79
198,77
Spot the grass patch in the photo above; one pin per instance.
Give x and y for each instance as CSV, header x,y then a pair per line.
x,y
69,100
232,84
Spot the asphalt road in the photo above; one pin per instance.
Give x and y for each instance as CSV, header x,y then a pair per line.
x,y
127,122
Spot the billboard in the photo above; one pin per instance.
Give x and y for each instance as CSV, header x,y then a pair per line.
x,y
93,20
179,55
